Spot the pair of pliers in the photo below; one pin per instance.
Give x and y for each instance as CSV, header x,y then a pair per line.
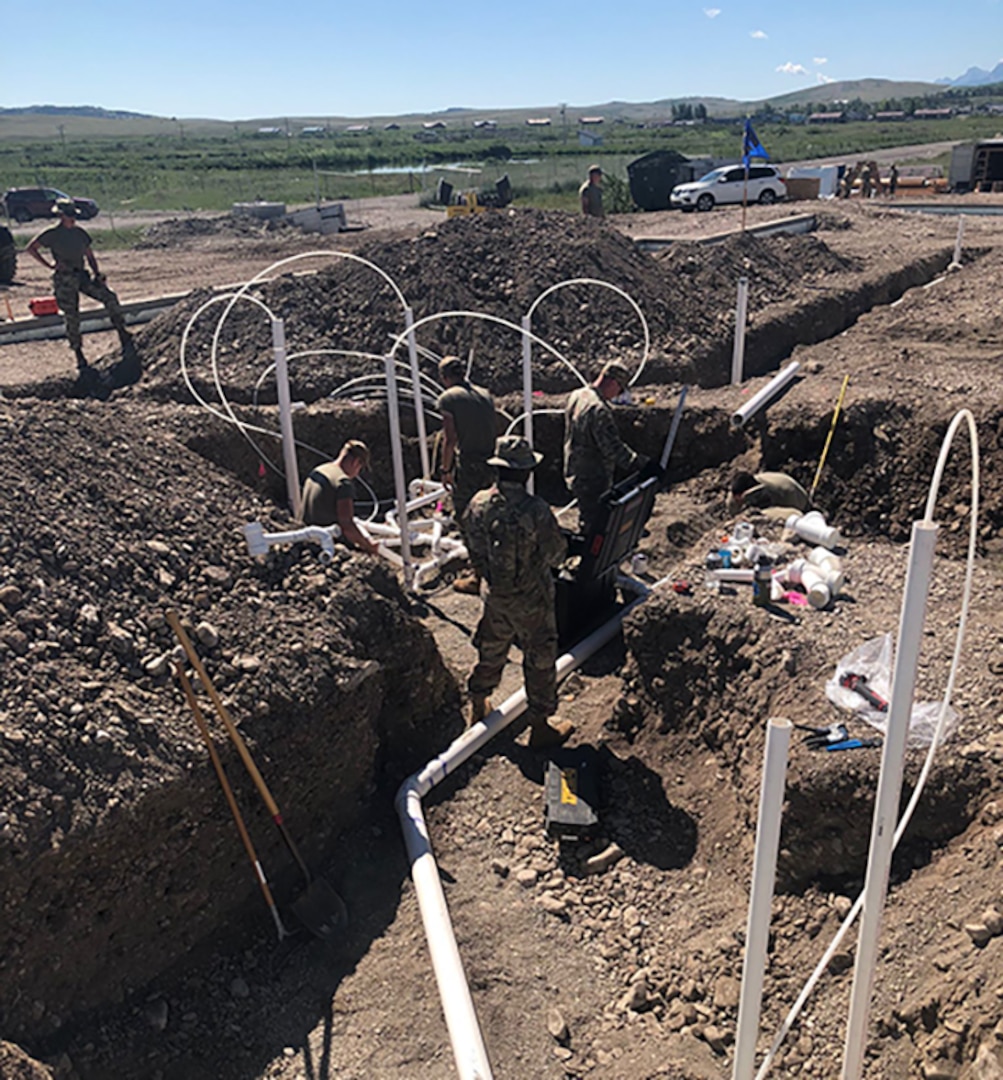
x,y
819,738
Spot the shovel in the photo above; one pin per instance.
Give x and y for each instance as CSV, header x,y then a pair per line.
x,y
320,909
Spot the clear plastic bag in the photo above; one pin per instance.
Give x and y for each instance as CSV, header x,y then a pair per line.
x,y
874,660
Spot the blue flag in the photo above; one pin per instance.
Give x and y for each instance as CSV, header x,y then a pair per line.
x,y
751,146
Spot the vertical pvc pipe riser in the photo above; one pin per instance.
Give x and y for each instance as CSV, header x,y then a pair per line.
x,y
741,317
527,388
886,807
419,403
286,416
771,805
957,242
400,487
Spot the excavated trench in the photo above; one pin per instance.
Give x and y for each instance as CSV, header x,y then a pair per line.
x,y
104,914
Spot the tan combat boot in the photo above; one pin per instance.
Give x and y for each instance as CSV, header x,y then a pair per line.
x,y
480,706
468,583
544,734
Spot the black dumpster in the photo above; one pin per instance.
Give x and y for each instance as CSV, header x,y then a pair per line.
x,y
653,177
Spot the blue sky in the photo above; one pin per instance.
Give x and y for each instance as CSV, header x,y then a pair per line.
x,y
253,60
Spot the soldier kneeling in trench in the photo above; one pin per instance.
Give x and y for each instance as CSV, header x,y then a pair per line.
x,y
329,494
515,543
775,493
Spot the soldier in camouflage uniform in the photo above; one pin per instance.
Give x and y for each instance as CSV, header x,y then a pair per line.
x,y
70,246
593,449
468,428
515,544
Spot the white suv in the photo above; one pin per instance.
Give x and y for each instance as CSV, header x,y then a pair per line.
x,y
726,185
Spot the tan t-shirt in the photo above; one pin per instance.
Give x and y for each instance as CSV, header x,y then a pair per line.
x,y
322,490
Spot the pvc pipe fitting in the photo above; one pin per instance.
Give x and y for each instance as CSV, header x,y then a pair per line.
x,y
812,527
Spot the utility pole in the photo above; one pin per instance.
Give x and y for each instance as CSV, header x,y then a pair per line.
x,y
62,135
564,121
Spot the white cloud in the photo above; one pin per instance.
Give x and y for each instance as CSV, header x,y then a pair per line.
x,y
823,79
818,61
791,68
712,12
759,35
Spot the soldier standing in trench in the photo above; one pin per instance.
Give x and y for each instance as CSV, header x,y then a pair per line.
x,y
515,543
71,247
593,449
468,429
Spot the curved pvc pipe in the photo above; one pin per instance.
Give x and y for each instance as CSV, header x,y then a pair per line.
x,y
465,1036
763,397
964,415
605,285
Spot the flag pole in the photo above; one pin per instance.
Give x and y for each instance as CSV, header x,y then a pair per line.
x,y
745,194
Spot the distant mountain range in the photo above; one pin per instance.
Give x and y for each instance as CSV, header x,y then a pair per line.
x,y
74,110
976,76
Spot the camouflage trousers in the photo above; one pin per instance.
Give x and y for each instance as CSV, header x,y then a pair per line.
x,y
67,285
589,494
532,625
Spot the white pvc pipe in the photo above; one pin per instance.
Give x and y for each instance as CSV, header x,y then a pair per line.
x,y
419,408
286,417
527,388
924,538
397,452
741,318
465,1036
761,398
963,416
771,805
674,428
957,243
258,541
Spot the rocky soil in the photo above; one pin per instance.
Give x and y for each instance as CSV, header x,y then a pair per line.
x,y
134,939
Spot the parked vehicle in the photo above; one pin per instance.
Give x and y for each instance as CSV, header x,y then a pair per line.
x,y
727,185
23,204
8,255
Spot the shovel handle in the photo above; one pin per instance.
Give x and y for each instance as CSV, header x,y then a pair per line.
x,y
231,728
238,818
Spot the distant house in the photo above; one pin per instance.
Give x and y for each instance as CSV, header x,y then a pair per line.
x,y
796,118
827,118
591,120
933,114
538,121
270,131
589,138
357,129
890,115
434,125
391,126
485,125
313,130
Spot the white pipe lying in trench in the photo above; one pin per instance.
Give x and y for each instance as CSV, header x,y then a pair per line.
x,y
740,417
258,541
457,1005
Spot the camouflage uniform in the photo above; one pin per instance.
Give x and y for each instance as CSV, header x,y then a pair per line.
x,y
514,544
776,489
67,285
593,451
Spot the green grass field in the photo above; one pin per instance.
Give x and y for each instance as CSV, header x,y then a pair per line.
x,y
182,169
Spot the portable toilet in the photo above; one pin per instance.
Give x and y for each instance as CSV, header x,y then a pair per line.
x,y
653,176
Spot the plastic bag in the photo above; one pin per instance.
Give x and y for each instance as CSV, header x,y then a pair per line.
x,y
874,660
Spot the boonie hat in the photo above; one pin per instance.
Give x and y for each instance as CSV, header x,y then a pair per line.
x,y
65,207
615,370
514,452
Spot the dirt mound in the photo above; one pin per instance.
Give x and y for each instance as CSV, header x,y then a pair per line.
x,y
105,526
497,264
168,234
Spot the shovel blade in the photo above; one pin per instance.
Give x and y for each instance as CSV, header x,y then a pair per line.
x,y
321,910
